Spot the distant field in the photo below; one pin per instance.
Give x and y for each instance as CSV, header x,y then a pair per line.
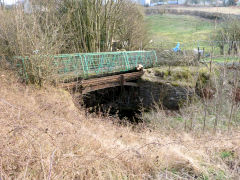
x,y
223,10
223,59
185,29
191,31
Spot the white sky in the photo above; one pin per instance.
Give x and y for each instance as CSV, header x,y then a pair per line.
x,y
9,2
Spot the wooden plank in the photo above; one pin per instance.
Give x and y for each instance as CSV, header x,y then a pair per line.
x,y
109,81
131,84
127,76
103,86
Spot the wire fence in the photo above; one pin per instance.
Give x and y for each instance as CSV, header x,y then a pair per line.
x,y
85,65
217,51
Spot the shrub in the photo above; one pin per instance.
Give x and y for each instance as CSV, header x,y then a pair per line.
x,y
53,27
228,34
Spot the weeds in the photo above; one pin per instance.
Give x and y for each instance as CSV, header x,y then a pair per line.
x,y
57,27
213,104
44,136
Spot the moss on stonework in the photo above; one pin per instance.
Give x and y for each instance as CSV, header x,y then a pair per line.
x,y
184,76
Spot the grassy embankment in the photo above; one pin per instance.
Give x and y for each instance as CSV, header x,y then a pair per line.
x,y
44,136
170,28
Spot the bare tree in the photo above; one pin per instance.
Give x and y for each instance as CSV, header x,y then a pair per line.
x,y
2,3
93,25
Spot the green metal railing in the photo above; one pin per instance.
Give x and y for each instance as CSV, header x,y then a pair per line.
x,y
87,65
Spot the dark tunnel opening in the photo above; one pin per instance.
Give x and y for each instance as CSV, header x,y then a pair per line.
x,y
122,102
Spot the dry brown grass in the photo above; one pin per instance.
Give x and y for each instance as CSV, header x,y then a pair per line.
x,y
223,10
44,136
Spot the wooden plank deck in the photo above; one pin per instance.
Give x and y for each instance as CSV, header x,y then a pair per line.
x,y
94,84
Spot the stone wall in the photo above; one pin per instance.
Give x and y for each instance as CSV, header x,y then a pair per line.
x,y
173,87
171,97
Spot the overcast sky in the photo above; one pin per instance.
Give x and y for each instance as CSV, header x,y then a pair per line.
x,y
9,2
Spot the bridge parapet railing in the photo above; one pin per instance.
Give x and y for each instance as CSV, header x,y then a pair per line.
x,y
87,65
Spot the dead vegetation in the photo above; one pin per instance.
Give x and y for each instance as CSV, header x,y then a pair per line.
x,y
220,10
33,38
44,136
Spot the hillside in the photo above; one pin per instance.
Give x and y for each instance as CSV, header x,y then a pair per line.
x,y
45,136
170,29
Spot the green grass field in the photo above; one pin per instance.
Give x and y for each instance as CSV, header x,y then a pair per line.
x,y
223,59
192,32
178,28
